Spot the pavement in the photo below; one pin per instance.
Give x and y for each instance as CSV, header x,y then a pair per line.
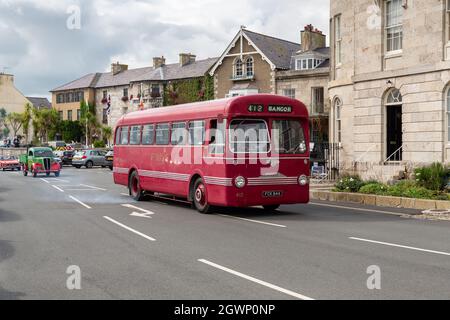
x,y
160,249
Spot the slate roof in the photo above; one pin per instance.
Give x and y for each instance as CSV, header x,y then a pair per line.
x,y
40,103
165,73
278,51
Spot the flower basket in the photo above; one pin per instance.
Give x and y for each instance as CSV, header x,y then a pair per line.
x,y
155,95
125,99
104,101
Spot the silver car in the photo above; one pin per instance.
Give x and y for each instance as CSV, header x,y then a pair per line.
x,y
89,159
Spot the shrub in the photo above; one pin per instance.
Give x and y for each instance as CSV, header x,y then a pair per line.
x,y
433,177
419,193
349,184
399,189
374,188
99,144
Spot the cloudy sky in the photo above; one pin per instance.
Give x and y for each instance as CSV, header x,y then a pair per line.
x,y
38,47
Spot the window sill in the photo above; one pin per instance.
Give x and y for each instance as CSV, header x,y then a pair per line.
x,y
393,54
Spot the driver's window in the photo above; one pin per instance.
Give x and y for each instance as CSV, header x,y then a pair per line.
x,y
217,137
30,154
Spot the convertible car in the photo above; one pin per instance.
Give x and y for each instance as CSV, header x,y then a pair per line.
x,y
9,163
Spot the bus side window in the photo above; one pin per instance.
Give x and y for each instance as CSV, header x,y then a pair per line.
x,y
162,134
216,137
178,133
148,135
118,136
124,136
197,133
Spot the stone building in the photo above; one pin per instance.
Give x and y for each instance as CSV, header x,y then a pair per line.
x,y
124,90
256,63
11,99
389,87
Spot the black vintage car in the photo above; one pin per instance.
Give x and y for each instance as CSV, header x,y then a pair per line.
x,y
109,159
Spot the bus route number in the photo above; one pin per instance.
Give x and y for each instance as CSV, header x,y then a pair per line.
x,y
256,108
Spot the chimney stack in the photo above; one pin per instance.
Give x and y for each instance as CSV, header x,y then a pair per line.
x,y
117,68
312,38
186,58
158,62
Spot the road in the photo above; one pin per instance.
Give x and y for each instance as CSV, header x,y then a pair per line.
x,y
164,250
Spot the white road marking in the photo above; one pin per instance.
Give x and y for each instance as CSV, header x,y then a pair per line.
x,y
255,221
78,189
400,246
129,229
263,283
46,181
61,180
143,214
125,194
92,187
358,209
58,188
83,204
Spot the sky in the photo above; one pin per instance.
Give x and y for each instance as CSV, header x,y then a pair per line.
x,y
47,43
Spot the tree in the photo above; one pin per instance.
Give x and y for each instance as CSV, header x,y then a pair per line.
x,y
44,121
107,133
89,121
14,120
2,122
26,120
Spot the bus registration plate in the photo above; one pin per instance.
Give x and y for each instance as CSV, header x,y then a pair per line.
x,y
272,194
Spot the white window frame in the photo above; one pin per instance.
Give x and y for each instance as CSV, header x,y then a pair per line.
x,y
338,40
289,92
387,28
249,61
315,91
337,105
235,67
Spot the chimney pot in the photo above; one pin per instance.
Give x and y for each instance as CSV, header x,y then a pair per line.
x,y
186,58
312,38
158,62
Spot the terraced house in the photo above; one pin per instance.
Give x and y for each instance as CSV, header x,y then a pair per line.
x,y
124,90
256,63
390,84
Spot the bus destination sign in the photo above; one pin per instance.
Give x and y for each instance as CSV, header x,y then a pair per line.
x,y
257,108
280,109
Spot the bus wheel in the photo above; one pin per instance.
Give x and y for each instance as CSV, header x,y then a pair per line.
x,y
201,197
135,187
271,208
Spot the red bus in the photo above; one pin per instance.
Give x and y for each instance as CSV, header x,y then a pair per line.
x,y
239,152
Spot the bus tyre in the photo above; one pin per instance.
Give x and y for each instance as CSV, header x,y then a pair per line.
x,y
271,208
135,187
201,197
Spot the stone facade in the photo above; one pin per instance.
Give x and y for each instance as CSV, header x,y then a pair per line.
x,y
11,99
369,74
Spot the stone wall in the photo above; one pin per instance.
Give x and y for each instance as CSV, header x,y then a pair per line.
x,y
12,151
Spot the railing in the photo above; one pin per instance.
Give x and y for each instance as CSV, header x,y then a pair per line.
x,y
326,156
242,77
395,157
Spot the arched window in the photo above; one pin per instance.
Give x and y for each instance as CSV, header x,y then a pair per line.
x,y
238,68
394,97
337,120
249,67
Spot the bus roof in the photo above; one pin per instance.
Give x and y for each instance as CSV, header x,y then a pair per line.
x,y
237,106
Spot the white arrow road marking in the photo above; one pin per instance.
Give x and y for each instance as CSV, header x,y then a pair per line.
x,y
254,221
92,187
143,214
129,229
46,181
260,282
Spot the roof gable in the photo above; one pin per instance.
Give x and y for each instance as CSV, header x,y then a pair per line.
x,y
275,51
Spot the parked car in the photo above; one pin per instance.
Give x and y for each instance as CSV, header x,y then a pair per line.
x,y
39,160
65,156
89,159
109,160
9,163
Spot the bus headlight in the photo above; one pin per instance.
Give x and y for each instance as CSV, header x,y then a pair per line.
x,y
240,182
303,180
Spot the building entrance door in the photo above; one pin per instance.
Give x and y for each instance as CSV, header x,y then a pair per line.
x,y
394,133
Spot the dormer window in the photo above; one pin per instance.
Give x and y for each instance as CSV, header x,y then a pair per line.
x,y
307,63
